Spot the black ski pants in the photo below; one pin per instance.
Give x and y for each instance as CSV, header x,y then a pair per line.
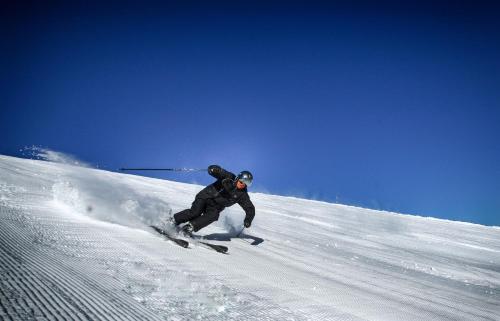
x,y
203,211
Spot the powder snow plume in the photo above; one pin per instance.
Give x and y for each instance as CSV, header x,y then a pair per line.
x,y
41,153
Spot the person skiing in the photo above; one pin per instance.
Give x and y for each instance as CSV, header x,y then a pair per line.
x,y
228,190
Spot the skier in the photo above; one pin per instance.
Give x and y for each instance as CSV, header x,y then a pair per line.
x,y
210,201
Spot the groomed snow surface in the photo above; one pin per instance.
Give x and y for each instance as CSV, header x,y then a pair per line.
x,y
74,245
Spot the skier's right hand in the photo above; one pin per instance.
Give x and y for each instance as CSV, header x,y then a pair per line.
x,y
214,169
247,223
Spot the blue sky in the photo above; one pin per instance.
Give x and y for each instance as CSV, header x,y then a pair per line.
x,y
389,106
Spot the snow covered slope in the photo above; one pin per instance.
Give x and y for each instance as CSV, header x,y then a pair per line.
x,y
74,245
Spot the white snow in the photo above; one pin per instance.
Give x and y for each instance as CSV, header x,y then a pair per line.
x,y
74,245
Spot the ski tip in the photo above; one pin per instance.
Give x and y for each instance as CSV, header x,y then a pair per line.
x,y
184,245
219,248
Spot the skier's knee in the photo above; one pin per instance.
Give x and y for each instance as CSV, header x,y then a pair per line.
x,y
198,206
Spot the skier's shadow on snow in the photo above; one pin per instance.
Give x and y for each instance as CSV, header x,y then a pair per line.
x,y
229,236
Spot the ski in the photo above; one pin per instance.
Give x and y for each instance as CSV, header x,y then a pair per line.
x,y
216,247
185,244
176,240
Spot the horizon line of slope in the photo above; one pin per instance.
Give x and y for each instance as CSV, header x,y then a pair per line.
x,y
278,196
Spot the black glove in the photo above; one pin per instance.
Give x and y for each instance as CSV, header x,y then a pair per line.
x,y
247,223
214,169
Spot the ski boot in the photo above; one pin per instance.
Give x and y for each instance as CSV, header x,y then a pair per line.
x,y
187,230
170,225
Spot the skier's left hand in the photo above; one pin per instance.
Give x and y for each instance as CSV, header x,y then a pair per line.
x,y
247,223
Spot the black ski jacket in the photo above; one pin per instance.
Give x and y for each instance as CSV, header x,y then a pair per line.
x,y
224,193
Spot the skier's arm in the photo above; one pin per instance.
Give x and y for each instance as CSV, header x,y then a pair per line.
x,y
249,209
219,172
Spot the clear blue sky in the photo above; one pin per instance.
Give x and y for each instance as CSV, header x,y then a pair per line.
x,y
389,106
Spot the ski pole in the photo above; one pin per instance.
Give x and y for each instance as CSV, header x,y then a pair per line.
x,y
165,169
239,233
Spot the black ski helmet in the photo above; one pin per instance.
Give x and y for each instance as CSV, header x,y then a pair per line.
x,y
245,177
